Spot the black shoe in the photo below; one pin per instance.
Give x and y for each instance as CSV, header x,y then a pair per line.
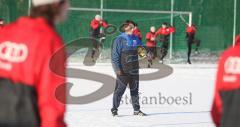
x,y
114,112
139,113
189,62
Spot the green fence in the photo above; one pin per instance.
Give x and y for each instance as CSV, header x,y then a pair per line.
x,y
213,18
10,10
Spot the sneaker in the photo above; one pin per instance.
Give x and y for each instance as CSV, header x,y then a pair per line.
x,y
139,113
114,112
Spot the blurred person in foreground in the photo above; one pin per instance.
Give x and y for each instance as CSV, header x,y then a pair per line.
x,y
27,78
225,109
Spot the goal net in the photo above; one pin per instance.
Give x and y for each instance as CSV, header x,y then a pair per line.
x,y
78,25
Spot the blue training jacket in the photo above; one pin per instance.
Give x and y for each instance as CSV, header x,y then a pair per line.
x,y
124,52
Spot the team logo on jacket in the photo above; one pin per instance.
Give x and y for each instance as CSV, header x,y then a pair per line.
x,y
231,69
13,52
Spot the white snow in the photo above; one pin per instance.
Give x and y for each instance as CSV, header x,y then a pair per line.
x,y
191,85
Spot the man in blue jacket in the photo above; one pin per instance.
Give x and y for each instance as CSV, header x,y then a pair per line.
x,y
126,66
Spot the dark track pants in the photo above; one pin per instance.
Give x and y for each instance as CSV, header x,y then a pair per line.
x,y
164,49
121,84
189,45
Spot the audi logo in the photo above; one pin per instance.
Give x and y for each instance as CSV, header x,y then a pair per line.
x,y
13,52
232,65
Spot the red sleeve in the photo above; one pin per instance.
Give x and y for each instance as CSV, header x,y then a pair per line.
x,y
94,24
158,32
104,24
190,29
216,111
187,29
51,111
148,36
172,29
139,35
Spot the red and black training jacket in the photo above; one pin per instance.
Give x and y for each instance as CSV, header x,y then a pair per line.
x,y
96,26
27,83
226,106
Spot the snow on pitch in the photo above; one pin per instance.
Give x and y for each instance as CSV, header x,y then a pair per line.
x,y
183,99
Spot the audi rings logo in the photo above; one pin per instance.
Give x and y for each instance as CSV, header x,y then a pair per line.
x,y
232,69
13,52
232,65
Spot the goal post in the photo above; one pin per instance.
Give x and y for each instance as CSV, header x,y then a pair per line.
x,y
130,11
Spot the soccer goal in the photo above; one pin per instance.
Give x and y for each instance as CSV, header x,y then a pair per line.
x,y
179,19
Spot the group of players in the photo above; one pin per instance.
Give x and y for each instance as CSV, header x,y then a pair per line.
x,y
162,35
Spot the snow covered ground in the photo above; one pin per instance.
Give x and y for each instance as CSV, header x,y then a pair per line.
x,y
182,99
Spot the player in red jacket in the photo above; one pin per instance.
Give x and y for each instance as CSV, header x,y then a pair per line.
x,y
96,33
190,35
225,109
137,32
27,83
151,45
164,33
96,25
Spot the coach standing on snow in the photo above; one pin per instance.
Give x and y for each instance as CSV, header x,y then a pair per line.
x,y
126,65
27,83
